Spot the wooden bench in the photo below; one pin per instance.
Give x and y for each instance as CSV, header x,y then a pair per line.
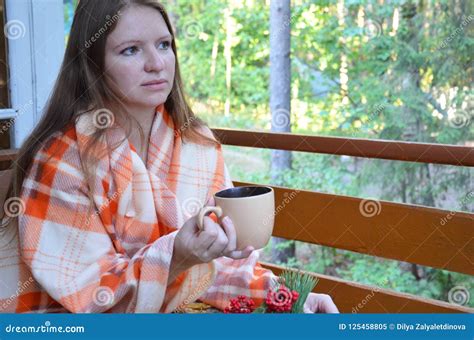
x,y
400,232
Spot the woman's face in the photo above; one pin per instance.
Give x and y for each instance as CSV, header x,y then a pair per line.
x,y
138,52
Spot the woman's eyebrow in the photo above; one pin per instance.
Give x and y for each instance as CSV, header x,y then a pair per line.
x,y
139,41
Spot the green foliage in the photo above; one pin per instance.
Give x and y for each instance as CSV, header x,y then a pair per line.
x,y
393,275
303,283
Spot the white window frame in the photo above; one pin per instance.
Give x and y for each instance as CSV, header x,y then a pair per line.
x,y
34,34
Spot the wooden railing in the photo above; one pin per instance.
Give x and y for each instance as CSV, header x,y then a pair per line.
x,y
381,149
397,231
416,234
8,155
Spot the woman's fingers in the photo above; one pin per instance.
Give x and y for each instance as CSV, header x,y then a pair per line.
x,y
327,305
231,235
230,251
215,241
241,254
319,303
208,235
220,243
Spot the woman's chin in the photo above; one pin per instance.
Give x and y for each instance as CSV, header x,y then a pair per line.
x,y
150,104
158,99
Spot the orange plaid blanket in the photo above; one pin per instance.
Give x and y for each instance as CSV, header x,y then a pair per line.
x,y
69,255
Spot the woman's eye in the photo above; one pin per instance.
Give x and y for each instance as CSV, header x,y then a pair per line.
x,y
164,45
129,50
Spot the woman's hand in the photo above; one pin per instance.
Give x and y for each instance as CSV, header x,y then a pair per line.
x,y
193,246
319,303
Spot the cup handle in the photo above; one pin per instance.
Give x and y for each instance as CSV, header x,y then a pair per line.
x,y
206,210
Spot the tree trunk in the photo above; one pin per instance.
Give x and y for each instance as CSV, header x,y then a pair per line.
x,y
280,102
343,72
415,130
230,27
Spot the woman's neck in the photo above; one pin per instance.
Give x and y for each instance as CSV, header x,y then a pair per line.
x,y
144,118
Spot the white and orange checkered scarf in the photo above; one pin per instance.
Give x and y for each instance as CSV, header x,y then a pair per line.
x,y
114,256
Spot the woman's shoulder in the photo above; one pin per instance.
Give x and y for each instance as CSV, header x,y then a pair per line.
x,y
59,144
206,131
207,138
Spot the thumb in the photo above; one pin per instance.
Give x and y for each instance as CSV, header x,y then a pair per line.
x,y
190,227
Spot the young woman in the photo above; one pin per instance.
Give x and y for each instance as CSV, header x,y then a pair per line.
x,y
111,180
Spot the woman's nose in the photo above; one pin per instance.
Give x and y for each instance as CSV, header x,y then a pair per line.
x,y
154,61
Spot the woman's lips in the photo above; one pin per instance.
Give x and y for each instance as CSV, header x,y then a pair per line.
x,y
159,85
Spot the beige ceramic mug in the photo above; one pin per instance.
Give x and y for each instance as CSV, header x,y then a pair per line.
x,y
251,209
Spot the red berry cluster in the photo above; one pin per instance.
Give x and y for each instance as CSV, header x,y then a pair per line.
x,y
241,305
281,300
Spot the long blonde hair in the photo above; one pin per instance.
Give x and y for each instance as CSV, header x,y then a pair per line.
x,y
81,88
